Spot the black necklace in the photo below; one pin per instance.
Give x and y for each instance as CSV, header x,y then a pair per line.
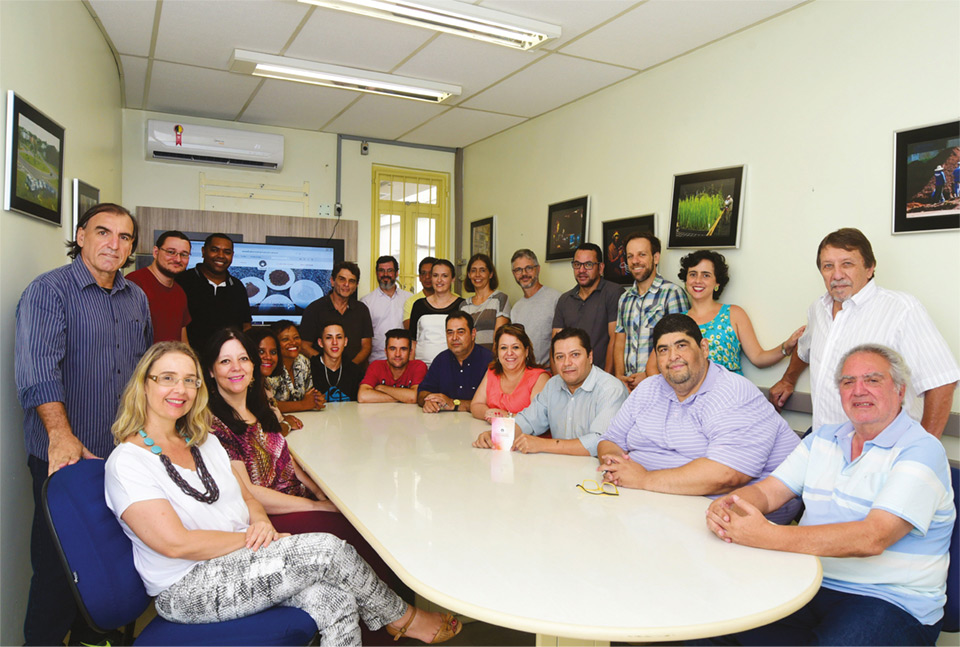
x,y
211,493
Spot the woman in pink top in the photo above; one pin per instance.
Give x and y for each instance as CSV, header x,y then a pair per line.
x,y
513,378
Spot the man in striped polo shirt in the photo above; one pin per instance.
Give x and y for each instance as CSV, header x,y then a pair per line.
x,y
695,428
876,488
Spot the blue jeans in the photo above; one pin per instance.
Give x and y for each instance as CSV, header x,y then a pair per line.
x,y
836,618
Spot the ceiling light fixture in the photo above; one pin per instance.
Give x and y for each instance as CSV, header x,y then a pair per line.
x,y
337,76
454,18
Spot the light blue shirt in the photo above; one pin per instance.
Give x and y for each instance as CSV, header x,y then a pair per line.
x,y
583,414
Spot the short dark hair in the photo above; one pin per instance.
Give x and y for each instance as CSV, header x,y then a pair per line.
x,y
426,260
720,269
676,322
282,324
459,314
570,333
398,333
524,253
445,263
326,324
590,247
350,266
173,233
73,248
209,239
486,260
849,238
518,331
655,246
386,259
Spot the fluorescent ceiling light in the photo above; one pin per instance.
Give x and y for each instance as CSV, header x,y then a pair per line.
x,y
454,18
337,76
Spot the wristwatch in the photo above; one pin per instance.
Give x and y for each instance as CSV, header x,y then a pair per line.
x,y
456,405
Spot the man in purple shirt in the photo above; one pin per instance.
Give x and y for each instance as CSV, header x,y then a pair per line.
x,y
696,428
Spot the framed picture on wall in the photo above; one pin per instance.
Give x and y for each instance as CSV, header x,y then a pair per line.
x,y
615,234
567,224
483,237
926,179
84,197
706,209
33,183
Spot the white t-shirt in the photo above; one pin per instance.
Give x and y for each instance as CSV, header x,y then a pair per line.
x,y
133,474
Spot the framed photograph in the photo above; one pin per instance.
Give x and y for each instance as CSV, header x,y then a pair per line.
x,y
567,227
615,234
926,179
84,197
706,208
482,237
33,183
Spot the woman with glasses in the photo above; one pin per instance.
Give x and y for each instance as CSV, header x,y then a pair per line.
x,y
428,316
513,378
168,301
292,380
205,546
489,307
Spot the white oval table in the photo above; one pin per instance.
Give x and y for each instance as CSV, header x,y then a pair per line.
x,y
509,539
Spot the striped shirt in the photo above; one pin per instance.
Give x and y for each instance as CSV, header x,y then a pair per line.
x,y
903,471
78,344
879,316
637,314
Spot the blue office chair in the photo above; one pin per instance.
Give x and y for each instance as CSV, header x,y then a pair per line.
x,y
98,557
951,612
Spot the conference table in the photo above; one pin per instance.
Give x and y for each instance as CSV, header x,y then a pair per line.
x,y
508,538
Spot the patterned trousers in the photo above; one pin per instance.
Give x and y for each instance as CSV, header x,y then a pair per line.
x,y
316,572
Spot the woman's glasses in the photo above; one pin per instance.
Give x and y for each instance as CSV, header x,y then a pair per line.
x,y
592,487
172,379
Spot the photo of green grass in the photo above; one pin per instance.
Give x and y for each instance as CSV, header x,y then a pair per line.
x,y
706,208
699,212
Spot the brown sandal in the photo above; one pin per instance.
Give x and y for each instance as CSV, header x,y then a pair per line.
x,y
449,627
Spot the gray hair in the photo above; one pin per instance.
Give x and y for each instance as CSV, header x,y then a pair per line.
x,y
524,253
899,371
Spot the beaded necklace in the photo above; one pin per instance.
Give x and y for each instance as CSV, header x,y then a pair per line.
x,y
211,491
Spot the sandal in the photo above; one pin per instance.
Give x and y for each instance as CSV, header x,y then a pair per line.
x,y
449,627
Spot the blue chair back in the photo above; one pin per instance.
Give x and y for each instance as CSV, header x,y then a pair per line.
x,y
951,612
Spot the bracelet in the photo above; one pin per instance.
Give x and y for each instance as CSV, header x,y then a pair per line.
x,y
783,349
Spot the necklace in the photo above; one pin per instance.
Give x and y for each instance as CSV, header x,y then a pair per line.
x,y
211,492
326,374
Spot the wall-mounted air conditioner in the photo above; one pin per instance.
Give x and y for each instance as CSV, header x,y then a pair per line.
x,y
180,142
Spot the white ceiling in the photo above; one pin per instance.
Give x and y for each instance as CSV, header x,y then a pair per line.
x,y
175,54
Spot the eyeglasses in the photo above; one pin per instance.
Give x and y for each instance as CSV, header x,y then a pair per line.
x,y
589,265
524,270
592,487
172,379
173,252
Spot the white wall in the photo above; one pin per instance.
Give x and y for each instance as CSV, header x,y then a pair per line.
x,y
72,78
808,101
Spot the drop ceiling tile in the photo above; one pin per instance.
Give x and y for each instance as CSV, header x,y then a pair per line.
x,y
186,90
129,24
383,117
547,84
459,127
574,17
296,105
205,32
134,77
341,38
659,30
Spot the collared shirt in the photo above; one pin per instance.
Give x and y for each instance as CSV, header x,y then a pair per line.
x,y
355,322
878,316
535,314
168,305
903,471
727,420
583,414
213,307
386,313
637,314
453,379
78,344
595,314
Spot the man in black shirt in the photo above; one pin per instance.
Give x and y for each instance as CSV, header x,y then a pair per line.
x,y
339,306
338,380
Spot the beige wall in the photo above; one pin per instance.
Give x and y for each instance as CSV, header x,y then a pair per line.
x,y
808,101
71,77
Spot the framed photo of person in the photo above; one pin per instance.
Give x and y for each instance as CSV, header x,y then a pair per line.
x,y
567,226
926,179
33,183
707,207
615,234
482,237
84,197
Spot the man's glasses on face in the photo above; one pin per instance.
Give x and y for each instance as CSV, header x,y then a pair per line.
x,y
589,265
525,270
174,253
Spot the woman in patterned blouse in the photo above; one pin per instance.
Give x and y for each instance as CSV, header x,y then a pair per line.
x,y
291,381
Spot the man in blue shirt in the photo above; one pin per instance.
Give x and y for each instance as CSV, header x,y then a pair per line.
x,y
455,373
81,330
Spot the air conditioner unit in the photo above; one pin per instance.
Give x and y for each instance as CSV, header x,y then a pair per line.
x,y
179,142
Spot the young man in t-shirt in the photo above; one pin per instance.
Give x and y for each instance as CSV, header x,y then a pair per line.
x,y
168,301
396,378
336,379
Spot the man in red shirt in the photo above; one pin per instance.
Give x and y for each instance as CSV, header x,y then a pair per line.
x,y
168,302
396,378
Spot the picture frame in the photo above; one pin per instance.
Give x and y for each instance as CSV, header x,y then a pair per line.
x,y
33,183
567,227
926,179
483,237
615,234
707,208
84,197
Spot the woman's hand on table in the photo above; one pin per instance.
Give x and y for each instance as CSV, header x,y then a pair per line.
x,y
313,400
483,441
262,534
294,422
495,413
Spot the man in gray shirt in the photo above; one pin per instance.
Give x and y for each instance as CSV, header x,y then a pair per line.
x,y
576,405
536,309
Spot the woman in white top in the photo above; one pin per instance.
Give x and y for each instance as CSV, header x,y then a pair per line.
x,y
201,542
429,315
489,306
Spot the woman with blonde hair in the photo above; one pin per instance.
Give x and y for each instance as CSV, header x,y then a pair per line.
x,y
513,379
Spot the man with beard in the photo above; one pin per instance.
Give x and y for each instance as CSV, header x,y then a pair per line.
x,y
385,304
168,301
397,378
696,428
535,310
641,307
